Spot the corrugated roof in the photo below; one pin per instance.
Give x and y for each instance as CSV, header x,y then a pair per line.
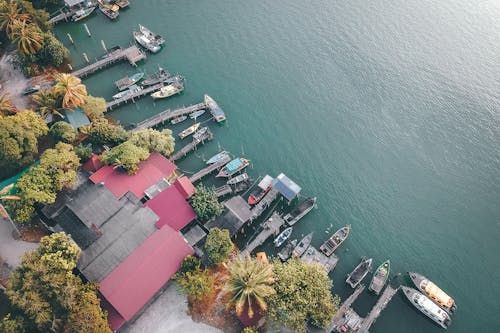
x,y
71,3
76,117
184,186
139,277
93,164
288,188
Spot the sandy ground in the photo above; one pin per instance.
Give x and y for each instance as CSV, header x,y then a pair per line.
x,y
168,313
11,250
13,82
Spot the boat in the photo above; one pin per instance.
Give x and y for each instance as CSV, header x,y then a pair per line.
x,y
261,190
200,133
196,114
427,307
31,89
159,76
145,42
82,13
334,242
233,167
214,109
237,179
286,251
217,157
300,211
177,120
359,273
131,90
283,236
127,81
380,277
168,91
299,250
188,131
122,3
155,38
111,11
431,290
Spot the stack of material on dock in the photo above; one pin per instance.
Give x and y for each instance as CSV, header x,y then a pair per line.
x,y
313,255
269,228
223,190
234,218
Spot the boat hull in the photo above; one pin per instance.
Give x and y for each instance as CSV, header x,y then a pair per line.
x,y
418,281
429,311
359,273
224,172
217,157
300,211
304,244
282,237
380,277
335,240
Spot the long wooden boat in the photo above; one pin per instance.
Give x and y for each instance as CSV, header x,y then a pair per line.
x,y
335,241
122,3
380,277
127,81
233,167
431,290
260,190
299,250
155,38
238,179
131,90
283,236
300,211
82,13
199,133
286,251
427,307
217,157
359,273
188,131
177,120
168,91
160,75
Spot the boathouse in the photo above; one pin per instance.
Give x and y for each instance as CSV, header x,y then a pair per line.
x,y
286,187
237,213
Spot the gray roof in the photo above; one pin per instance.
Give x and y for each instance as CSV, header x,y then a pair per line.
x,y
71,3
194,235
239,207
236,215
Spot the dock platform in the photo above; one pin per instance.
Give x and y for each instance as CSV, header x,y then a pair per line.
x,y
133,54
313,255
62,16
269,228
166,115
209,169
338,319
259,208
382,302
223,190
191,146
133,97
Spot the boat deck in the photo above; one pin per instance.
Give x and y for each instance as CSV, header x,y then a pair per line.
x,y
381,304
169,114
269,228
223,190
314,255
132,97
259,208
209,169
191,146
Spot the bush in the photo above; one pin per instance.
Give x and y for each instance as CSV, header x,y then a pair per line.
x,y
189,264
52,53
102,132
83,152
218,245
205,203
125,156
94,107
64,132
196,284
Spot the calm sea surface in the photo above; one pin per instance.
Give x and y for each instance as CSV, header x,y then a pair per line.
x,y
387,111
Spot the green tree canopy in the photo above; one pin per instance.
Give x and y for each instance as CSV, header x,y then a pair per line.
x,y
84,152
302,295
218,245
7,108
153,140
205,203
63,131
94,107
62,164
71,89
52,52
126,156
47,103
11,325
189,264
196,284
101,131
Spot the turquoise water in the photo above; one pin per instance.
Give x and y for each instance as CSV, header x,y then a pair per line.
x,y
387,111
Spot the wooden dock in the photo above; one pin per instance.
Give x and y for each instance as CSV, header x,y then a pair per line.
x,y
382,302
312,255
223,190
338,318
259,208
209,169
133,54
269,228
191,146
62,16
133,97
169,114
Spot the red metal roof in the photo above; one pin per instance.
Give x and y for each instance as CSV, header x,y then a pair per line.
x,y
172,208
184,186
139,277
150,172
93,164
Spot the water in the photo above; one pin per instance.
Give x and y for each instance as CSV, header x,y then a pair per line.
x,y
387,111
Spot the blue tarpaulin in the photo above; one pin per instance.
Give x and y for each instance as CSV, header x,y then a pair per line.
x,y
287,187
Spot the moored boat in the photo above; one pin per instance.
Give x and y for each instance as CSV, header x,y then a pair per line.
x,y
335,241
31,89
286,251
122,3
155,38
260,191
131,90
111,11
214,109
82,13
359,273
188,131
177,120
145,42
233,167
431,290
380,277
299,250
283,236
168,91
427,307
127,81
200,133
159,76
238,179
217,157
300,211
196,114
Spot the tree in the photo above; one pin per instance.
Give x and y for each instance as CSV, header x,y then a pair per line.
x,y
249,284
189,264
6,106
83,152
52,52
47,104
27,36
8,325
250,330
10,12
63,131
302,294
205,203
101,132
61,164
126,156
218,245
71,89
49,296
196,284
94,107
153,140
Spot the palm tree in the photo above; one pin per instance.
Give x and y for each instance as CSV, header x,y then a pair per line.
x,y
27,36
71,89
10,12
47,104
249,281
4,195
6,106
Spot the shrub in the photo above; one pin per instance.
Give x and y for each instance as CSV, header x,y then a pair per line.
x,y
64,132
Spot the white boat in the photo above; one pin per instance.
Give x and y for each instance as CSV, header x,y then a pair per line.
x,y
131,90
146,42
196,114
215,110
427,307
217,157
285,234
237,179
155,38
188,131
200,133
167,91
177,120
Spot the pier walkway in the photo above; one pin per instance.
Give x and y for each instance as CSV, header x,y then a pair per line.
x,y
132,97
191,146
269,228
209,169
223,190
133,54
62,16
338,318
169,114
259,208
382,302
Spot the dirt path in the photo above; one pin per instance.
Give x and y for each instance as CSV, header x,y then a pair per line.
x,y
13,82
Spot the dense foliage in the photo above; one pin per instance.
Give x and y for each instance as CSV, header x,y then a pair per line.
x,y
7,108
126,156
61,163
94,107
218,245
63,131
196,284
71,89
49,297
205,203
189,264
250,330
302,295
101,131
47,104
84,152
153,140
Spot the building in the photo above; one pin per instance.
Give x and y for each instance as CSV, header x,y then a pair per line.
x,y
286,187
237,213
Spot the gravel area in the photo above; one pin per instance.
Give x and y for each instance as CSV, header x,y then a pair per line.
x,y
13,82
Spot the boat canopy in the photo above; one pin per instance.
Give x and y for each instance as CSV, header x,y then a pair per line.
x,y
265,182
287,187
234,165
217,112
436,293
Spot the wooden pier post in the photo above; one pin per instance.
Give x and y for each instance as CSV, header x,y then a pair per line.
x,y
70,38
87,29
85,57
